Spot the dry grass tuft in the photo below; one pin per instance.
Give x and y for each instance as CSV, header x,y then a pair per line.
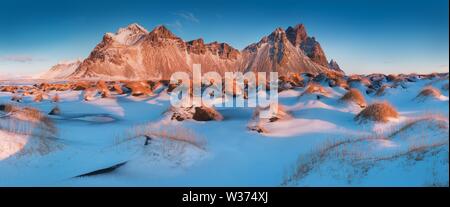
x,y
382,90
55,98
138,88
353,95
16,98
314,88
166,133
31,122
393,78
347,152
38,97
80,85
55,111
428,91
117,88
379,112
202,113
7,108
281,113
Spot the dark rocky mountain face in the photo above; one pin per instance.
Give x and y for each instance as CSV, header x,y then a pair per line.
x,y
135,53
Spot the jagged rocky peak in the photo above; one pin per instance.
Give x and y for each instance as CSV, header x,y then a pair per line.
x,y
314,51
162,32
136,28
224,50
297,34
196,46
277,35
133,52
308,45
334,65
133,28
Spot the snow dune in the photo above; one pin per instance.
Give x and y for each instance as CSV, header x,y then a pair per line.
x,y
93,136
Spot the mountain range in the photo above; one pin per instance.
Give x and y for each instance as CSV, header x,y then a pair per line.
x,y
135,53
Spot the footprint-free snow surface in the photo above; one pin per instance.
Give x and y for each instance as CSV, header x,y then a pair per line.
x,y
101,142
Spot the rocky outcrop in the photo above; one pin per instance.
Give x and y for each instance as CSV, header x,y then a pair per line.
x,y
309,46
275,53
135,53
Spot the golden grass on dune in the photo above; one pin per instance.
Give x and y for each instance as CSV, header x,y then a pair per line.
x,y
38,97
80,85
117,88
204,113
29,115
56,98
429,91
138,88
340,82
7,108
353,95
379,112
314,88
165,132
281,113
382,90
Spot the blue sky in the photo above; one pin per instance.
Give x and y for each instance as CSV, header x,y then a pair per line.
x,y
364,36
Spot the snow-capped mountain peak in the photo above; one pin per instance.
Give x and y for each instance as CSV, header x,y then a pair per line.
x,y
128,35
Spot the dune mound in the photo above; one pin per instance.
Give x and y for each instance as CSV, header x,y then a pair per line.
x,y
55,111
378,112
314,88
138,88
353,95
428,92
382,90
198,113
260,124
80,85
281,113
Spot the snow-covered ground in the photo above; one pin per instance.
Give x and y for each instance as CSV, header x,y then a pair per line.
x,y
318,144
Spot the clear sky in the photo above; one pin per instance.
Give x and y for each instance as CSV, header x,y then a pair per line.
x,y
364,36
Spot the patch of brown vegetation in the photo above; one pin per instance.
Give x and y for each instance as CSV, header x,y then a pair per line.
x,y
393,78
314,88
359,79
382,90
10,89
379,112
353,95
38,97
138,88
16,98
7,108
204,113
166,133
55,98
281,113
89,93
81,85
428,91
55,111
117,88
339,82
